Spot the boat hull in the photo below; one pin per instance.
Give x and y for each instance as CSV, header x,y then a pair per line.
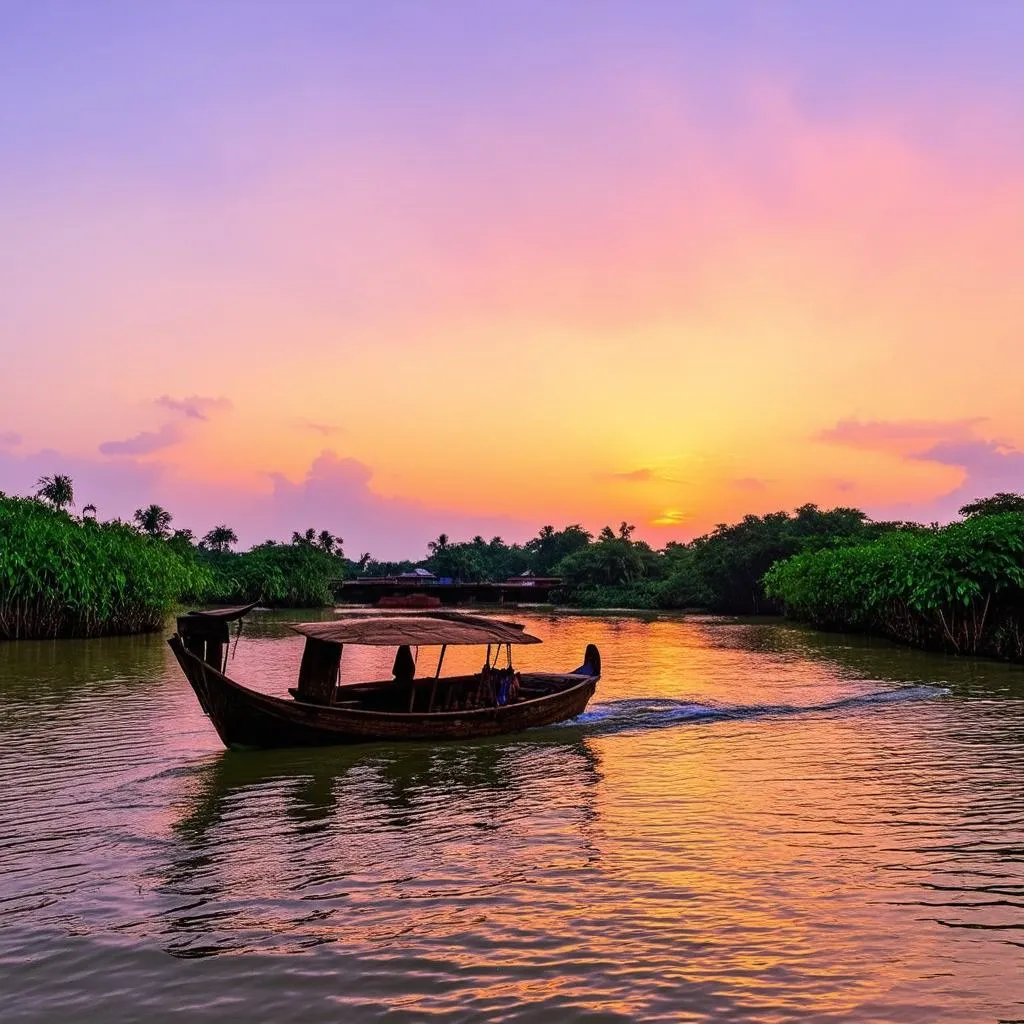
x,y
248,719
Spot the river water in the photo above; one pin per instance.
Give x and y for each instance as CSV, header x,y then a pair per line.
x,y
752,822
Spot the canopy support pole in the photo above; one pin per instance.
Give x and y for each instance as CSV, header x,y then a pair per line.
x,y
437,675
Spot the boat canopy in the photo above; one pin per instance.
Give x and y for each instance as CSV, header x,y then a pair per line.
x,y
417,630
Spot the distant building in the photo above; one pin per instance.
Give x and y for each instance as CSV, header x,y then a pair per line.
x,y
414,576
421,575
530,579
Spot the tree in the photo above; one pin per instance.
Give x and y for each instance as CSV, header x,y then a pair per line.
x,y
220,539
183,541
437,546
153,520
550,546
1004,501
462,562
89,512
56,490
615,560
329,542
324,540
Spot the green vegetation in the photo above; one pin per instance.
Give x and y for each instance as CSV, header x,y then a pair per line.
x,y
721,571
959,588
296,575
64,577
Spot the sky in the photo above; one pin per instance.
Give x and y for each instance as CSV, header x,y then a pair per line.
x,y
399,268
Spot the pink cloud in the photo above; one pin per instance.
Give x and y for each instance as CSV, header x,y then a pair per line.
x,y
117,486
145,442
196,407
323,429
334,494
635,475
884,435
750,483
987,466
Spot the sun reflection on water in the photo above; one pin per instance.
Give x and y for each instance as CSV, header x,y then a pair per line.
x,y
752,822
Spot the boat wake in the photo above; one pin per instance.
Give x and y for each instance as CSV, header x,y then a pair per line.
x,y
658,713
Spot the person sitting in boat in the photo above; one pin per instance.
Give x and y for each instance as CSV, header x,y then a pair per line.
x,y
508,686
404,668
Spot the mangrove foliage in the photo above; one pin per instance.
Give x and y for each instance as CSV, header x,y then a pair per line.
x,y
958,588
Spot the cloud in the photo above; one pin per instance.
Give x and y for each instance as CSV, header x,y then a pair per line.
x,y
335,494
987,466
670,517
887,435
196,407
323,429
644,474
145,442
749,483
9,439
117,487
635,475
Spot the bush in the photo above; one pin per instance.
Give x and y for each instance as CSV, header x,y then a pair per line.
x,y
959,588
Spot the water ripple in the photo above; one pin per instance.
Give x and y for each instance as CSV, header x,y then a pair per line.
x,y
841,840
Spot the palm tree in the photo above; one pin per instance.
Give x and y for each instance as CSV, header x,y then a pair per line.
x,y
57,490
89,512
435,547
220,539
153,520
329,542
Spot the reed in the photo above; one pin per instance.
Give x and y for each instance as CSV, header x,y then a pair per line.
x,y
61,577
296,575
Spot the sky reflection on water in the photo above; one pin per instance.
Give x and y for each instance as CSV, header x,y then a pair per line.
x,y
753,822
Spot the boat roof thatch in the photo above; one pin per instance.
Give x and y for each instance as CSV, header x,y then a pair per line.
x,y
428,629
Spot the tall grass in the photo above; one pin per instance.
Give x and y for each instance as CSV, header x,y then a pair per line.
x,y
60,577
296,575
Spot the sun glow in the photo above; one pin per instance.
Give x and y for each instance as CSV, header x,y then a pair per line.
x,y
615,306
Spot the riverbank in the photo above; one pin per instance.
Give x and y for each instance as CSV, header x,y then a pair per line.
x,y
957,589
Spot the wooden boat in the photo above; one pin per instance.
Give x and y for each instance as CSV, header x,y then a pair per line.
x,y
406,707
